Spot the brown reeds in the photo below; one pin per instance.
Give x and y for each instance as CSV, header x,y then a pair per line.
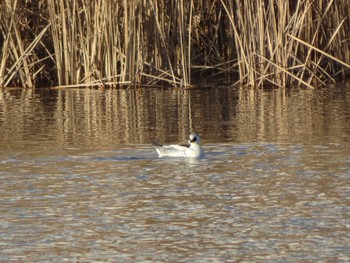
x,y
289,42
178,43
18,60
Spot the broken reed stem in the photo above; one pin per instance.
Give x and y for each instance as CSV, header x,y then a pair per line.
x,y
263,42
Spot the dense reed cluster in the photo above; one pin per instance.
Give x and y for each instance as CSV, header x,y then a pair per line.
x,y
178,43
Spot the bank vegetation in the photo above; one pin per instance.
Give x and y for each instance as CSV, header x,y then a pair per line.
x,y
179,43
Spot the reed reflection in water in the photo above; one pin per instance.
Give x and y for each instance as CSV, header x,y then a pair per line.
x,y
80,182
74,117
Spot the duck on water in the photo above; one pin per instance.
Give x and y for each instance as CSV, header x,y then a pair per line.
x,y
192,150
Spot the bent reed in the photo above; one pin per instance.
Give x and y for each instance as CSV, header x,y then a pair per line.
x,y
178,43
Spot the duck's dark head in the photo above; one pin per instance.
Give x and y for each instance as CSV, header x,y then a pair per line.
x,y
194,138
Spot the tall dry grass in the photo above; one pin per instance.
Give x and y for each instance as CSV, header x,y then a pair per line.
x,y
178,43
117,42
18,41
280,42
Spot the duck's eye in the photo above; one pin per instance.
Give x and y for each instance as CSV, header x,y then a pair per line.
x,y
194,139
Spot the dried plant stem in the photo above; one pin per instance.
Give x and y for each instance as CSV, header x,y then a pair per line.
x,y
177,43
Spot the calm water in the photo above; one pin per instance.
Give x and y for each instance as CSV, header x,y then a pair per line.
x,y
80,182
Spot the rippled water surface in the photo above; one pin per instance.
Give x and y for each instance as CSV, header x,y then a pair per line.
x,y
79,180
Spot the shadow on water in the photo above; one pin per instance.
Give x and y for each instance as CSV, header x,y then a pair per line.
x,y
80,181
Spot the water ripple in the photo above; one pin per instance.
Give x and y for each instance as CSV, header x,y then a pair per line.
x,y
250,202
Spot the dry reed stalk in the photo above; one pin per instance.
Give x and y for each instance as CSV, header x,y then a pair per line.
x,y
97,42
263,42
18,61
265,52
321,52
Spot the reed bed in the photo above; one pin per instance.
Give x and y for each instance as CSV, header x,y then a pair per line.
x,y
77,43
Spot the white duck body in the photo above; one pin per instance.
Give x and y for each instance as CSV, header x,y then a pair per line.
x,y
194,149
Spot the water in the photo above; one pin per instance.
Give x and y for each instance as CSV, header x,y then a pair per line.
x,y
79,180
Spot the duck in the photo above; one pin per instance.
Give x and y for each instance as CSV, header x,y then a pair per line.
x,y
192,150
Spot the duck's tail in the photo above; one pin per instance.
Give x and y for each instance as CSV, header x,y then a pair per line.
x,y
157,144
158,147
